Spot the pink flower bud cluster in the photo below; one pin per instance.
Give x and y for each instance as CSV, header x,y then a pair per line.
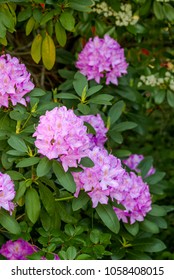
x,y
62,135
14,81
7,192
102,58
134,160
109,180
99,138
19,250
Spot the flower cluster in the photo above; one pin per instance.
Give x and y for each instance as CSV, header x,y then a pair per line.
x,y
14,81
108,179
102,58
154,80
19,250
134,195
99,138
134,160
7,192
62,135
124,17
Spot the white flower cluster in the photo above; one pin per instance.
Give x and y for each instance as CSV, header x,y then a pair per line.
x,y
122,18
154,80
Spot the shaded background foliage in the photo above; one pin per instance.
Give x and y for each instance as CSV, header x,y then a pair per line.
x,y
47,36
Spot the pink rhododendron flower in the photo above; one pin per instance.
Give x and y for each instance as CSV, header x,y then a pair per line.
x,y
98,180
134,195
14,81
7,192
98,124
102,58
17,250
62,135
133,161
109,180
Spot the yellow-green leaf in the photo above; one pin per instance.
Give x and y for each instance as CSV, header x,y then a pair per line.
x,y
36,48
60,34
29,26
48,52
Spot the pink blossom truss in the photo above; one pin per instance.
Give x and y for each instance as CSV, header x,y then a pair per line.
x,y
102,57
14,81
62,135
7,192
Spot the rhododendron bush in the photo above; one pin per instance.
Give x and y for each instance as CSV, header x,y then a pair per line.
x,y
86,126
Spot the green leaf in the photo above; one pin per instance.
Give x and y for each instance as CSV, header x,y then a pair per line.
x,y
71,253
149,245
43,167
7,20
80,5
103,99
65,178
69,229
123,126
18,144
79,83
66,95
28,162
158,10
9,222
157,210
46,17
81,201
159,96
60,34
47,199
25,14
145,165
168,11
15,175
108,216
95,236
65,217
20,191
32,205
132,229
30,25
37,92
115,111
116,136
83,108
93,90
149,226
170,98
67,20
155,178
87,162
